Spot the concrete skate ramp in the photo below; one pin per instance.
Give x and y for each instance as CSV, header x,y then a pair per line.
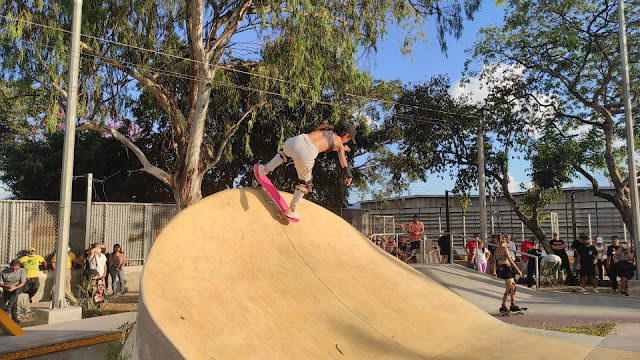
x,y
227,280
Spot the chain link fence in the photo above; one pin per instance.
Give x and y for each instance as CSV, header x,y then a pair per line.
x,y
26,224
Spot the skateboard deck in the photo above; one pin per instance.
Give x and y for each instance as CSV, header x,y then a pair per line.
x,y
273,192
9,326
512,313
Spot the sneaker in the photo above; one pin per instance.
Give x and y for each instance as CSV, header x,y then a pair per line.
x,y
514,308
504,309
582,290
262,170
596,291
291,214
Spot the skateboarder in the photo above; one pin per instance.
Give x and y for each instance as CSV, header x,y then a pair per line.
x,y
505,269
303,150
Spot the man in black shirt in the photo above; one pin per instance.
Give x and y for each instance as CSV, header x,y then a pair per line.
x,y
558,246
444,243
611,265
588,260
577,246
531,265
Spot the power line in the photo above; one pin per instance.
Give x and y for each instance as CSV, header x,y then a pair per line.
x,y
229,69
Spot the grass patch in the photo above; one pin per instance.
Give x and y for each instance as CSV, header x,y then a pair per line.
x,y
115,351
601,329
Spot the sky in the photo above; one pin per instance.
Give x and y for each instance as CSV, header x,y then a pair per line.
x,y
426,61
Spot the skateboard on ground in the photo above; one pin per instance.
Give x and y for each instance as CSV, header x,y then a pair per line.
x,y
511,313
273,192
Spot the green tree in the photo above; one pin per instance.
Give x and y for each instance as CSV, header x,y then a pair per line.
x,y
183,53
570,50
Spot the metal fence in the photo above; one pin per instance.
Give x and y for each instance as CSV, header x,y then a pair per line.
x,y
134,226
25,224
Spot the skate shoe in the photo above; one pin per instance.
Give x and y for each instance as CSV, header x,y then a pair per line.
x,y
514,308
291,214
262,170
596,291
504,309
582,290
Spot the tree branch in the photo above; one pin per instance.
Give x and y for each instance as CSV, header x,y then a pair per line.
x,y
146,165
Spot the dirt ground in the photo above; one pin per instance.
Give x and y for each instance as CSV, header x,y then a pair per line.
x,y
117,303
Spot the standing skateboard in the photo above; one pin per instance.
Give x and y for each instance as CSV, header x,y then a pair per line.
x,y
271,190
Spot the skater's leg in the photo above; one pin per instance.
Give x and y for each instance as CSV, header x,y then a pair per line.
x,y
277,160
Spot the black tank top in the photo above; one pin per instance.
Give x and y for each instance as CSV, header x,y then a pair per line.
x,y
329,136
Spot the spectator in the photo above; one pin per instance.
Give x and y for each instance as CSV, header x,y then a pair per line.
x,y
534,250
558,246
378,241
95,271
588,259
524,248
612,270
402,249
31,264
626,269
577,246
470,251
444,243
116,264
70,265
492,246
601,256
415,230
481,257
511,245
551,266
505,268
12,281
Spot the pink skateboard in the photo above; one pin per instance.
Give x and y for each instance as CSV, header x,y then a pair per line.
x,y
271,190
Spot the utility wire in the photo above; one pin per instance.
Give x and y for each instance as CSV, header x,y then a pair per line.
x,y
226,68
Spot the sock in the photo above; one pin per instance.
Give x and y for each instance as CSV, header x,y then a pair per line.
x,y
297,196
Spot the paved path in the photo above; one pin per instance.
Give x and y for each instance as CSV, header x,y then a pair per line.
x,y
549,308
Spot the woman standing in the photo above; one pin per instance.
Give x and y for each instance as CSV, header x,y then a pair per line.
x,y
601,257
626,268
116,263
482,256
505,269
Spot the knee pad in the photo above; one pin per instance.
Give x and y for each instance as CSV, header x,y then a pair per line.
x,y
304,186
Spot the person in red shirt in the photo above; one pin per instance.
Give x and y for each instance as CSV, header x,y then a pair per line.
x,y
415,230
524,247
470,250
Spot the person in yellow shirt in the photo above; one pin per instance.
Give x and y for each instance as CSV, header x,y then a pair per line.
x,y
31,263
70,265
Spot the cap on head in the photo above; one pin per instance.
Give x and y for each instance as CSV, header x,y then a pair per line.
x,y
32,249
555,233
350,129
583,237
599,239
535,242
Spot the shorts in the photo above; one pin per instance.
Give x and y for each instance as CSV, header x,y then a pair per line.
x,y
445,251
505,272
303,152
587,270
626,269
415,245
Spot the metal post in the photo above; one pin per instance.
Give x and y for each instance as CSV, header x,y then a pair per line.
x,y
87,213
481,189
573,217
537,273
59,298
589,222
493,229
446,203
633,179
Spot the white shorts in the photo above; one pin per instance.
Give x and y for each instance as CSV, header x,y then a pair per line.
x,y
303,152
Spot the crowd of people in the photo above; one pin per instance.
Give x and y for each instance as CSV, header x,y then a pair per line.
x,y
22,275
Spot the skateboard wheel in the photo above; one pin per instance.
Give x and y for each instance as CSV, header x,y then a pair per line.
x,y
279,217
254,183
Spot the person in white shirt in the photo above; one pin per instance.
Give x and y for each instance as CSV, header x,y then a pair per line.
x,y
482,257
511,245
601,257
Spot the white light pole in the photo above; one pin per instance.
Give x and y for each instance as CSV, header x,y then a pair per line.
x,y
631,158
